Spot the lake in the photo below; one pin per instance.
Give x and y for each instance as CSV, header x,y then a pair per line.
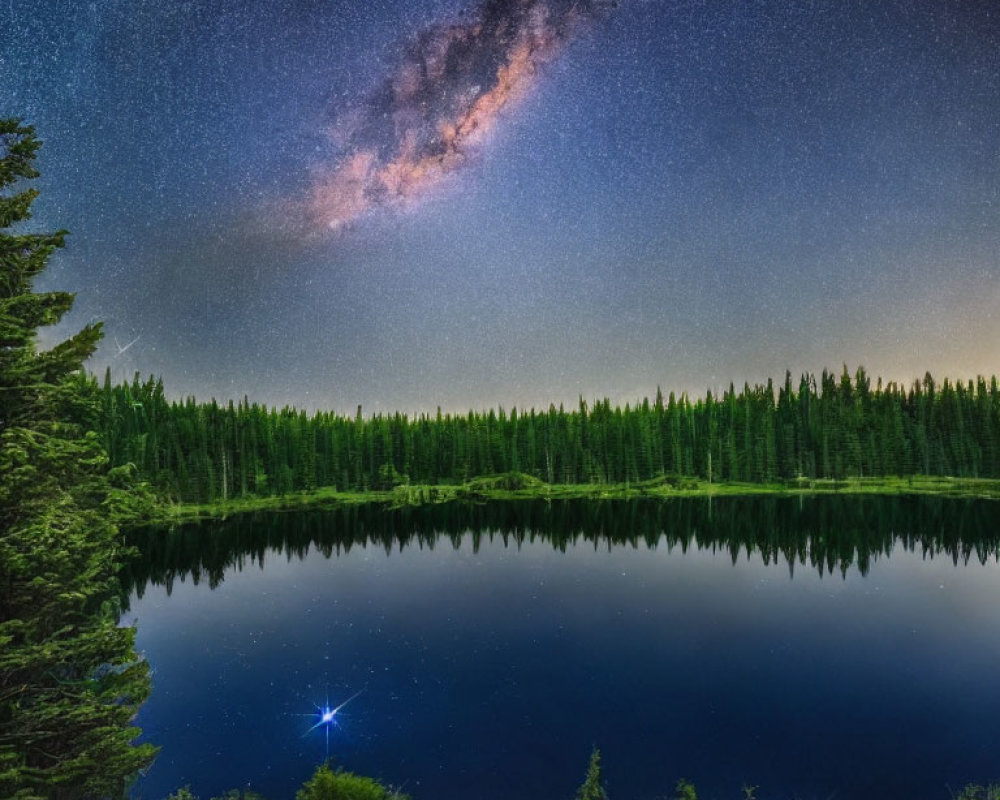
x,y
828,647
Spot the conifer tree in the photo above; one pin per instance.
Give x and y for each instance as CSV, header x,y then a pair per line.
x,y
592,787
70,680
325,784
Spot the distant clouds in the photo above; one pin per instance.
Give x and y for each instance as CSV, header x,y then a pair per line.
x,y
445,95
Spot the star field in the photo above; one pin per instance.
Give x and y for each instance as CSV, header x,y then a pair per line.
x,y
411,205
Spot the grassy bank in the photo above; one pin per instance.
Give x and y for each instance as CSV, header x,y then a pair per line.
x,y
523,487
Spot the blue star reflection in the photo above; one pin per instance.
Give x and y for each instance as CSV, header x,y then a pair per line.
x,y
327,718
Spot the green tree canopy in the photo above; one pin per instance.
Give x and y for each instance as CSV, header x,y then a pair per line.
x,y
325,784
593,787
70,680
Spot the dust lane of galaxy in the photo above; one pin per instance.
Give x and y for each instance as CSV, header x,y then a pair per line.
x,y
427,118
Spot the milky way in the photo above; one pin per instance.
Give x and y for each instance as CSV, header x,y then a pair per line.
x,y
538,199
428,117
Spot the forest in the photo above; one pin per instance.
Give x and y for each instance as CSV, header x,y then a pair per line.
x,y
822,428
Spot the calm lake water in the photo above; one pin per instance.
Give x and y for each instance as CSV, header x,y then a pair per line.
x,y
819,648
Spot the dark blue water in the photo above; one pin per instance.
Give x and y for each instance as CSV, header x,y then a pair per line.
x,y
490,669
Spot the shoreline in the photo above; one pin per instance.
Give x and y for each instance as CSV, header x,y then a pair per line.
x,y
521,487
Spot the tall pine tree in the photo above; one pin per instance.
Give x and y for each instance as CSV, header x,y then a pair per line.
x,y
70,680
592,787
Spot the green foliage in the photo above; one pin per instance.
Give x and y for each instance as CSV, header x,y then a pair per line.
x,y
184,793
685,790
389,477
822,429
975,791
508,481
129,499
592,787
325,784
70,680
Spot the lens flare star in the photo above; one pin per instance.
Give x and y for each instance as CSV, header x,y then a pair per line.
x,y
326,718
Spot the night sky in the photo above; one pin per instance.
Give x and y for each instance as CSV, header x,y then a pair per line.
x,y
407,205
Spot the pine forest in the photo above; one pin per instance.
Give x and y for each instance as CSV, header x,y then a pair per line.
x,y
825,428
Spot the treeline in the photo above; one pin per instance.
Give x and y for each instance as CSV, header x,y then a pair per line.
x,y
820,428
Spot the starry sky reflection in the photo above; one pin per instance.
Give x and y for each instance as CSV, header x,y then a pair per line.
x,y
491,673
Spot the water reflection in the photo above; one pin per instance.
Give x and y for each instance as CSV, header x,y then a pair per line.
x,y
829,534
497,644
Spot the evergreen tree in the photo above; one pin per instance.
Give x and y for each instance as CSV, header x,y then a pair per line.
x,y
592,787
325,784
685,790
70,680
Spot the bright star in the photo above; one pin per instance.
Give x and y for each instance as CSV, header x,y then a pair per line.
x,y
328,718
